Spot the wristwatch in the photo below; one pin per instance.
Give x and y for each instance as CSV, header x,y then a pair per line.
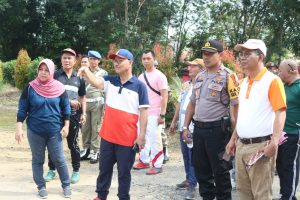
x,y
184,128
162,116
84,114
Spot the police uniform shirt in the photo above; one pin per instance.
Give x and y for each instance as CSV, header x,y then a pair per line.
x,y
75,86
212,94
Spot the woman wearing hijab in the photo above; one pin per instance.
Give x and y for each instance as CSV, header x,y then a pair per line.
x,y
45,106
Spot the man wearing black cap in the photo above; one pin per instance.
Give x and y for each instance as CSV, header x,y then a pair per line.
x,y
215,90
125,107
75,88
94,110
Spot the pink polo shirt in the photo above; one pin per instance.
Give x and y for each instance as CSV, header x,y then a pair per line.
x,y
158,81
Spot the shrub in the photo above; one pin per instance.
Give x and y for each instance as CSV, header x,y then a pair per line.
x,y
32,68
1,73
108,65
228,59
1,85
8,70
21,69
164,56
175,88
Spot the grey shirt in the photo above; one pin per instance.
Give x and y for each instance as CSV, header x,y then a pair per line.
x,y
212,94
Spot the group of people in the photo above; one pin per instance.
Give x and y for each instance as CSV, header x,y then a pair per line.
x,y
219,117
56,104
253,121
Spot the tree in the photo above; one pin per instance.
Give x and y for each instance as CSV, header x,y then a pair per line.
x,y
21,69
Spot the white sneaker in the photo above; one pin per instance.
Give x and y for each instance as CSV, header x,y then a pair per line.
x,y
94,156
233,184
91,154
84,154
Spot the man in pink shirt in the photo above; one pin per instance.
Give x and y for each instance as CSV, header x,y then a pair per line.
x,y
157,86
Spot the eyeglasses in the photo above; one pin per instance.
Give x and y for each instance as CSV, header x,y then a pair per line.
x,y
117,62
291,67
246,54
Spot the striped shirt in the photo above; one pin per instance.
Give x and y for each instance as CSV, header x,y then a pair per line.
x,y
123,101
75,86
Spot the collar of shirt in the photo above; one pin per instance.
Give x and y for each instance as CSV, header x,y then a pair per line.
x,y
131,80
220,69
297,81
259,75
74,73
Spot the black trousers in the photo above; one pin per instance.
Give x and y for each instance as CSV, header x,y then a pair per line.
x,y
110,154
287,165
211,170
72,140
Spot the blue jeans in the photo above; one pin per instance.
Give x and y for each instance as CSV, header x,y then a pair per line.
x,y
187,160
54,145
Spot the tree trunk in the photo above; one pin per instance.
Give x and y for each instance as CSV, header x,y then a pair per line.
x,y
126,21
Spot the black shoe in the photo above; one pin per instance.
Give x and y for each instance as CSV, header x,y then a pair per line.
x,y
183,185
84,154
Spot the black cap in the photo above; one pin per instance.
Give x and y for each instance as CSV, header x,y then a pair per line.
x,y
213,46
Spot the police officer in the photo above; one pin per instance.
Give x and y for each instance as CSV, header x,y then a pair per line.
x,y
215,90
94,110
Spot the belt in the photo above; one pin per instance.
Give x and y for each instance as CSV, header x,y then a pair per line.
x,y
255,140
207,124
101,99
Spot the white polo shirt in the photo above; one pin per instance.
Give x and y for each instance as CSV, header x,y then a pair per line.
x,y
259,99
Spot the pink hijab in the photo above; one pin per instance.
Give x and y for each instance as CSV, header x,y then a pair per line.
x,y
50,88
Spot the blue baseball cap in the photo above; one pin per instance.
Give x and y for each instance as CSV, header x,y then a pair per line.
x,y
122,53
94,54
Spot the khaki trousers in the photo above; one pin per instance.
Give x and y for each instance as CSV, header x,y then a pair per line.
x,y
254,183
90,130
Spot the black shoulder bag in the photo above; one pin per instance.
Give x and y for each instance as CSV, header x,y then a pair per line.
x,y
154,90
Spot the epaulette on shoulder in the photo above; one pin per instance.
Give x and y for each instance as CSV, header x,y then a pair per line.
x,y
199,76
234,78
229,71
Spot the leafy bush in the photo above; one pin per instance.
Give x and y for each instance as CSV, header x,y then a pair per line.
x,y
108,65
228,59
32,69
8,70
1,74
175,88
21,69
1,85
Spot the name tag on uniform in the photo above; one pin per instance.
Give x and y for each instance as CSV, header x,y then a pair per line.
x,y
215,86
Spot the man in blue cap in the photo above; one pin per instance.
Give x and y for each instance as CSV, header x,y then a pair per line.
x,y
94,111
126,105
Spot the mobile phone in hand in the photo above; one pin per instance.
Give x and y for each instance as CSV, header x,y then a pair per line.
x,y
136,148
